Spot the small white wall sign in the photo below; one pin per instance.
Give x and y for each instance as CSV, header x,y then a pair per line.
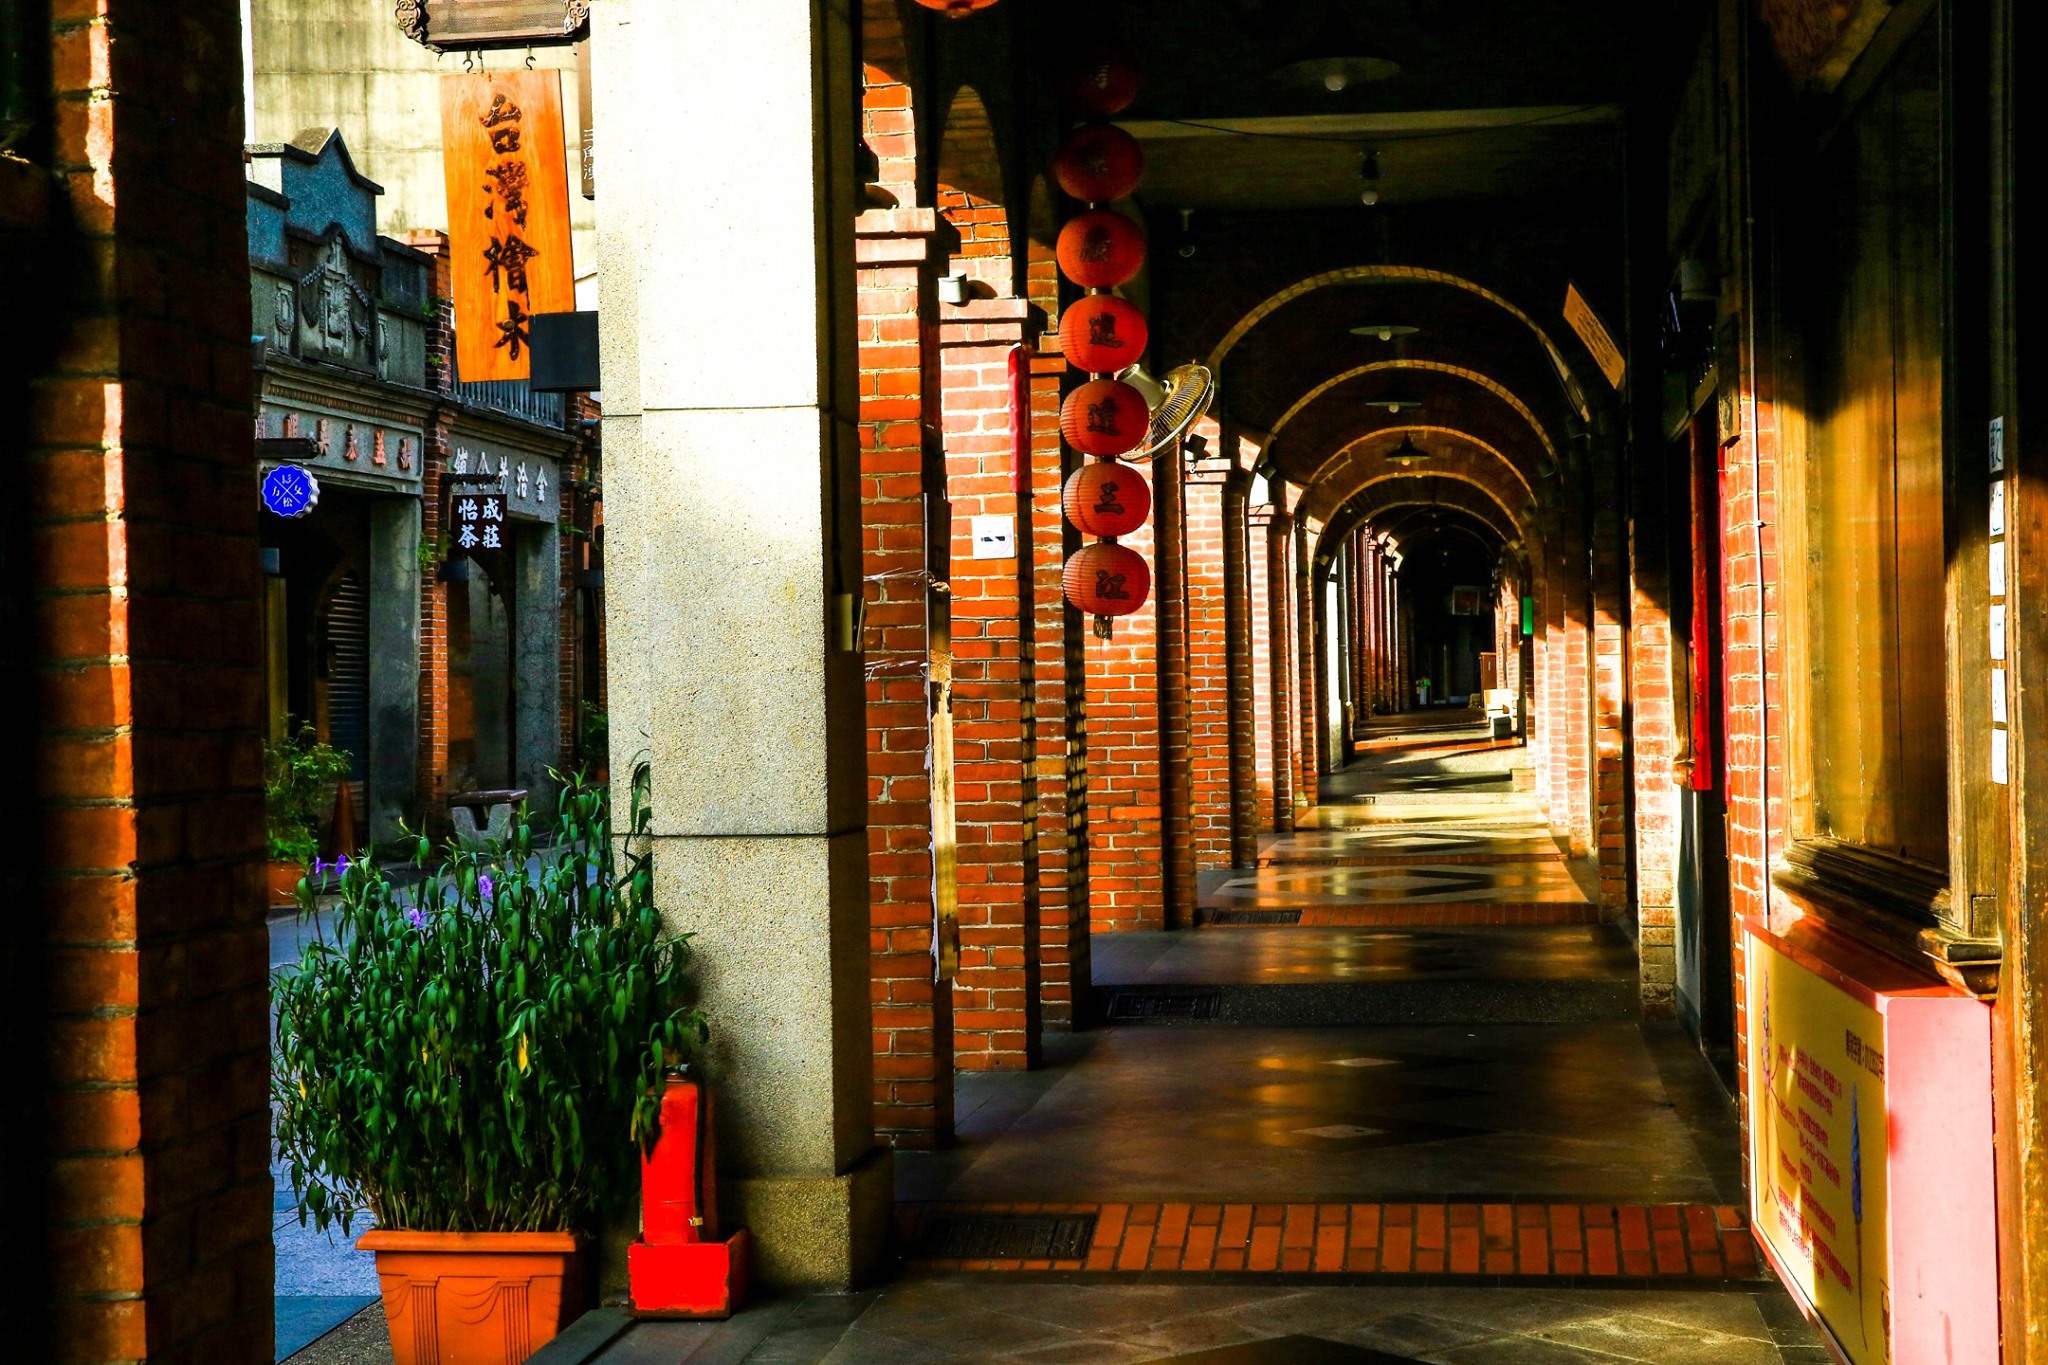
x,y
995,537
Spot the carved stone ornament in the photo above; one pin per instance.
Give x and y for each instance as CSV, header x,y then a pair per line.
x,y
477,25
333,304
287,315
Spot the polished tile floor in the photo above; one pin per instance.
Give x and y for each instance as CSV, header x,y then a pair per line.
x,y
1436,1119
962,1320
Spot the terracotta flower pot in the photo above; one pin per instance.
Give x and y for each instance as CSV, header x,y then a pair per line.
x,y
284,884
477,1298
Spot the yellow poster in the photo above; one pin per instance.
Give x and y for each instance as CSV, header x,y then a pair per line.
x,y
1818,1146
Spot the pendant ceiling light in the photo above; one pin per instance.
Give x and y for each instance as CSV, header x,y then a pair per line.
x,y
1407,453
1335,59
1385,331
1396,400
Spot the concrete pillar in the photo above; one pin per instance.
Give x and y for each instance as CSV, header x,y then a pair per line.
x,y
536,659
394,663
732,549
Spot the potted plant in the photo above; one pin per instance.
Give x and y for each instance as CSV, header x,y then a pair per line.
x,y
299,773
478,1061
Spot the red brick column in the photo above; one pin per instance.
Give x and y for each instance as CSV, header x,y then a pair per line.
x,y
1240,701
1207,747
900,477
432,781
1309,762
136,949
1654,744
1284,639
1059,695
1608,634
1126,878
1176,770
1269,763
995,996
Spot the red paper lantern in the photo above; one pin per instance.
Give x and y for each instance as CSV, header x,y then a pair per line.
x,y
1102,334
1106,580
956,9
1102,79
1100,249
1099,163
1106,498
1104,417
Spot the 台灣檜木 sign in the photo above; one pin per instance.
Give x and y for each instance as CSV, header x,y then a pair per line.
x,y
507,177
1599,341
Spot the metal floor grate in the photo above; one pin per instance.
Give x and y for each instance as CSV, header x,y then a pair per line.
x,y
1255,917
1165,1002
1005,1237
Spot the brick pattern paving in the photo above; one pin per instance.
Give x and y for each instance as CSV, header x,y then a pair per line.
x,y
1522,1241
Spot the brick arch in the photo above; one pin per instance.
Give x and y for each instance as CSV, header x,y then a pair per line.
x,y
971,190
888,99
1447,491
1346,515
1575,391
1358,465
1471,376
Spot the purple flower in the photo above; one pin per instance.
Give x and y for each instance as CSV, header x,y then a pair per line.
x,y
318,869
341,865
484,885
416,917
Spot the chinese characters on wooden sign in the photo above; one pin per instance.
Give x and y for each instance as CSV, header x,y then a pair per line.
x,y
508,215
478,520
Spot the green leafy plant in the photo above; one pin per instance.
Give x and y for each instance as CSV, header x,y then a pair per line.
x,y
594,734
299,773
484,1052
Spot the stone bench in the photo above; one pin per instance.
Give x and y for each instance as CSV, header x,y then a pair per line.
x,y
495,807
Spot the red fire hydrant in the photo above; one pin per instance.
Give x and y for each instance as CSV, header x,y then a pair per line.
x,y
680,1267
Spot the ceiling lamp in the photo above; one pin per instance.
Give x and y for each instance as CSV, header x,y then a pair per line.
x,y
1369,179
1407,453
1385,331
1336,59
956,9
1396,400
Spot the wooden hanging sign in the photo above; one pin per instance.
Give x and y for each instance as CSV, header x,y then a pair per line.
x,y
508,215
476,25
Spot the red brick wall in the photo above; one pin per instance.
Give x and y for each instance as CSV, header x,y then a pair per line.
x,y
137,945
1208,742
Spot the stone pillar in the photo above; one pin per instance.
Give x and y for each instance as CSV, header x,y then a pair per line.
x,y
394,663
733,558
536,659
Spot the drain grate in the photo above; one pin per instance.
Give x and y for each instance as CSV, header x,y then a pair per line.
x,y
1007,1237
1165,1003
1255,917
